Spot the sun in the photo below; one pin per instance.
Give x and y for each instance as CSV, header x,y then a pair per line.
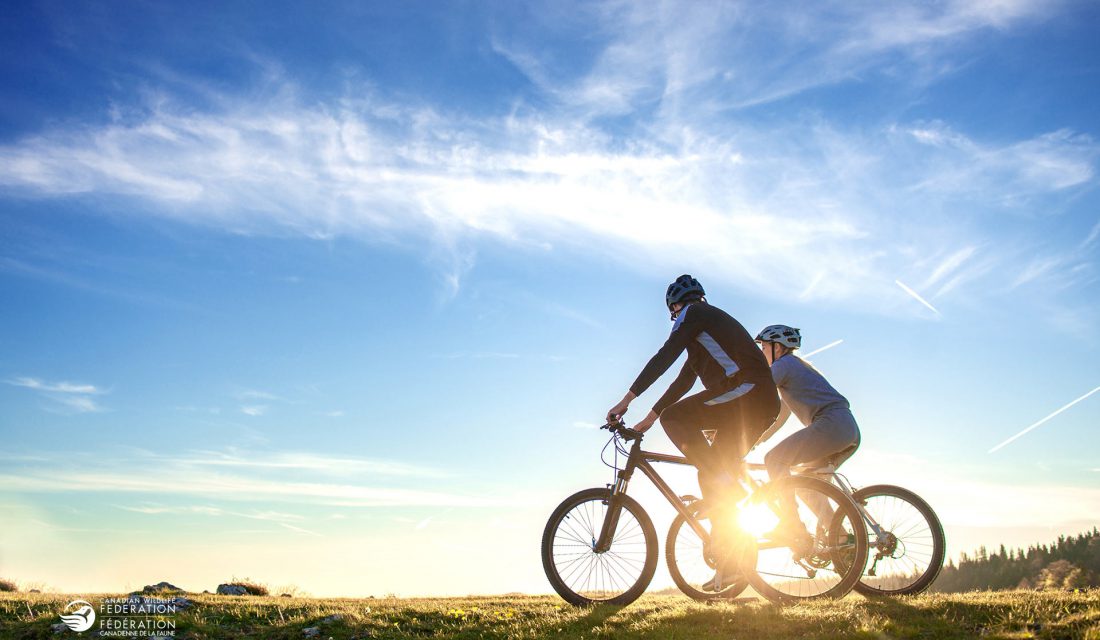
x,y
757,519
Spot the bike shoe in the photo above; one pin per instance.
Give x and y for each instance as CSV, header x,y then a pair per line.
x,y
722,580
791,534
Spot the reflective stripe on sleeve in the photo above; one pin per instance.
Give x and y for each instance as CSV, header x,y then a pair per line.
x,y
733,394
715,350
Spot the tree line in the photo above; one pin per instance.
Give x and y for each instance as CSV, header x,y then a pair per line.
x,y
1068,563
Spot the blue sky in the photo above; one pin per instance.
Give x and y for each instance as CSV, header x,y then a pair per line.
x,y
289,285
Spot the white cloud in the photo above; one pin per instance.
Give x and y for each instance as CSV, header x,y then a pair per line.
x,y
1021,170
716,56
239,488
159,510
331,465
254,409
948,265
252,394
55,387
810,203
212,475
79,404
299,529
68,397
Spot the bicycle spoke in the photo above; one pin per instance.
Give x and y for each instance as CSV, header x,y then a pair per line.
x,y
582,574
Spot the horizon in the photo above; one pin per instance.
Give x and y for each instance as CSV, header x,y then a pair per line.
x,y
343,294
276,589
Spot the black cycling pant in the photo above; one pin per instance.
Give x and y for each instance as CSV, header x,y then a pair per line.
x,y
738,421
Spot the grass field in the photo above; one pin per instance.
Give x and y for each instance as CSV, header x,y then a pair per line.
x,y
1014,614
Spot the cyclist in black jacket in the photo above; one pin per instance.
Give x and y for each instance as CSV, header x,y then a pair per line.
x,y
740,401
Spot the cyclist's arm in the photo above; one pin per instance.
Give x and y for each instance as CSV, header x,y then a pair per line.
x,y
666,355
780,373
660,362
646,422
680,386
784,414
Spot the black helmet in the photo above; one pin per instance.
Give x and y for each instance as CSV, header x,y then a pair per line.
x,y
684,288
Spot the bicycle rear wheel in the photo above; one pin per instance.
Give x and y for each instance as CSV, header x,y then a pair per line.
x,y
906,558
822,555
691,563
583,576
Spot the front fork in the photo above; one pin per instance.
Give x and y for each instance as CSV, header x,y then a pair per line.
x,y
614,509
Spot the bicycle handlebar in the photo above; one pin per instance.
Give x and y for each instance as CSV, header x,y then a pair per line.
x,y
619,428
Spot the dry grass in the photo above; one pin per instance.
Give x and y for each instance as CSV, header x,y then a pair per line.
x,y
1015,614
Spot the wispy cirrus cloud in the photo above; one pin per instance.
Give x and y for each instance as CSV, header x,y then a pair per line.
x,y
55,387
322,174
714,57
1023,169
68,397
327,464
209,510
812,202
287,477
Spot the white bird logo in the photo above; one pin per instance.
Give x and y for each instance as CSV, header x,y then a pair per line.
x,y
80,620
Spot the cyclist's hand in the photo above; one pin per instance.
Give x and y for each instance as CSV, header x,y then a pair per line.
x,y
646,422
616,413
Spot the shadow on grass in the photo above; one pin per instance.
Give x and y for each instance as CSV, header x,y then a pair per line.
x,y
992,614
1042,616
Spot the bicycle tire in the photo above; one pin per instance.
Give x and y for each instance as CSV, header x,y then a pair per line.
x,y
690,564
916,556
808,569
579,574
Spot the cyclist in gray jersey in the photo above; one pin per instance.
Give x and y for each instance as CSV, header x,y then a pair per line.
x,y
831,430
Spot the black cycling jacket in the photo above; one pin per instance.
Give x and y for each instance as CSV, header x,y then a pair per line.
x,y
720,353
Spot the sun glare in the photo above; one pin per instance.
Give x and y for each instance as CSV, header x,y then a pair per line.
x,y
757,519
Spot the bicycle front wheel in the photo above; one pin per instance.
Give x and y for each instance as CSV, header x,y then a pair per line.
x,y
579,573
817,551
907,554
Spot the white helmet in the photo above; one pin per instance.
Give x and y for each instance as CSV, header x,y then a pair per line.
x,y
781,333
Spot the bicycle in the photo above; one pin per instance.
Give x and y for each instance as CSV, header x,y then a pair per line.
x,y
600,546
906,543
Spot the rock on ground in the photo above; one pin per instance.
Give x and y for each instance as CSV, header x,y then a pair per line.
x,y
159,587
232,590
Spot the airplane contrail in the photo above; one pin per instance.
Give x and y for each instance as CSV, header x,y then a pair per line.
x,y
916,296
1044,419
817,351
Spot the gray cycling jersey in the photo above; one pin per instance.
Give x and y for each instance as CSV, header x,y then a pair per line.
x,y
804,389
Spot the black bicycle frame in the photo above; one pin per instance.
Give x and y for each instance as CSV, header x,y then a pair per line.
x,y
639,459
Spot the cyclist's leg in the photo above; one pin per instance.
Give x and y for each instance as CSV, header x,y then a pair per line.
x,y
684,422
738,422
829,434
744,420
